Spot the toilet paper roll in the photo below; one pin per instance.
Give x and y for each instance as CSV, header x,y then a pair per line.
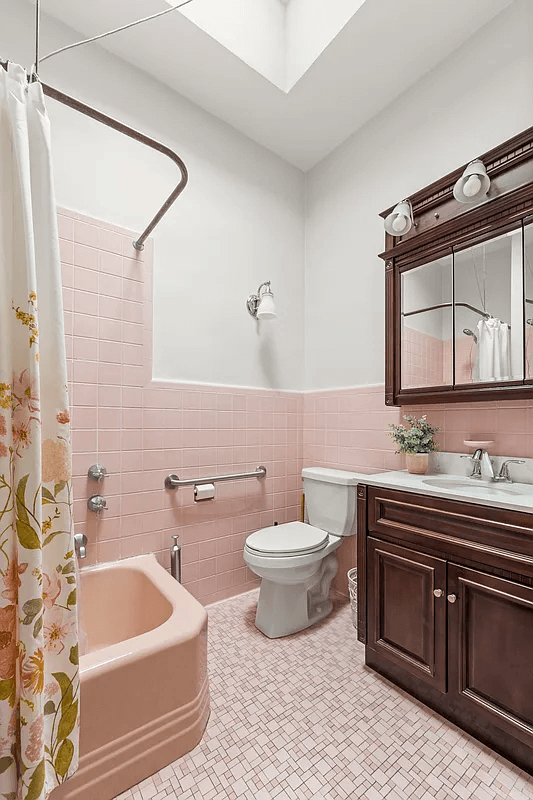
x,y
206,491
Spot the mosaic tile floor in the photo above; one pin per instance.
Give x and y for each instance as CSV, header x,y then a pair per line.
x,y
302,719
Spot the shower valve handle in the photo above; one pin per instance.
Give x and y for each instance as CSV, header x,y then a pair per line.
x,y
96,503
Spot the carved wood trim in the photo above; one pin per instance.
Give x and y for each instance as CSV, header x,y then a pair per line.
x,y
512,152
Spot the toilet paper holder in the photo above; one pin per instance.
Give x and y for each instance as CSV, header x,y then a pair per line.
x,y
204,491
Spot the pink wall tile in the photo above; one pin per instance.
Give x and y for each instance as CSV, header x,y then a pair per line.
x,y
143,429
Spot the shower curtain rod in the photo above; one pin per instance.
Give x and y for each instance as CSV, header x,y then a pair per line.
x,y
446,305
110,122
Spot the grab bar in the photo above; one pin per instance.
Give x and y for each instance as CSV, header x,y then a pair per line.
x,y
173,482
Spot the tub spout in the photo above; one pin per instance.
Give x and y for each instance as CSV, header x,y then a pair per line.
x,y
80,543
175,559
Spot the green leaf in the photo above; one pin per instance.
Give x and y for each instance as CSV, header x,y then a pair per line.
x,y
67,721
69,568
74,657
49,707
52,536
7,691
32,607
10,796
6,687
59,487
47,495
5,763
28,538
37,782
71,579
64,757
22,514
65,685
37,627
71,599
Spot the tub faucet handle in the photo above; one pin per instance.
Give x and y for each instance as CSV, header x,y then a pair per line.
x,y
97,472
96,503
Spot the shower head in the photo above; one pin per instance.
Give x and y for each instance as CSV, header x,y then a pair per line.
x,y
468,332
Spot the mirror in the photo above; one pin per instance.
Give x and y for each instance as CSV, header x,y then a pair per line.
x,y
427,325
462,318
488,288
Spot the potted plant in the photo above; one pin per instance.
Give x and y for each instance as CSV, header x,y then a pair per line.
x,y
416,442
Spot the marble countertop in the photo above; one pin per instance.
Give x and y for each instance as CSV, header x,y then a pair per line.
x,y
513,496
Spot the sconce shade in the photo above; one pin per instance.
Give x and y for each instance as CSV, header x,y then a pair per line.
x,y
261,305
473,184
266,308
400,221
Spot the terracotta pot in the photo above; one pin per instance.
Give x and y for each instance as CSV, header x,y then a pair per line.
x,y
417,463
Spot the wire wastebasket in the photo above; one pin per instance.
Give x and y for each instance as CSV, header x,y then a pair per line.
x,y
352,588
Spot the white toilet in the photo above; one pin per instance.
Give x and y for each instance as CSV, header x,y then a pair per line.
x,y
296,560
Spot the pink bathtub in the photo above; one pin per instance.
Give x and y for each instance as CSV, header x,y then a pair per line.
x,y
144,687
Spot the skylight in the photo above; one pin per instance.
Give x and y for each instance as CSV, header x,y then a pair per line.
x,y
280,39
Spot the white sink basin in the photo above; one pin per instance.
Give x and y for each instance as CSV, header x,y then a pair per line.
x,y
470,486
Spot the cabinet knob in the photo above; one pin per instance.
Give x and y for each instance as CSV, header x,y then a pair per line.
x,y
452,598
438,592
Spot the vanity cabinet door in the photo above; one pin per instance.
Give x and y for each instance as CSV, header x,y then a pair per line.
x,y
490,647
407,610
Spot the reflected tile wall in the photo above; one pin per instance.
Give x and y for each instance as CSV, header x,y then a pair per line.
x,y
141,430
423,359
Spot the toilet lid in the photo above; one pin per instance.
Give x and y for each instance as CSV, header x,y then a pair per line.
x,y
290,539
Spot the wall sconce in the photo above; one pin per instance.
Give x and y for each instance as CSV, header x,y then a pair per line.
x,y
261,305
400,221
473,184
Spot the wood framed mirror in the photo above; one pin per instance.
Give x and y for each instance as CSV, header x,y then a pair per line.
x,y
459,288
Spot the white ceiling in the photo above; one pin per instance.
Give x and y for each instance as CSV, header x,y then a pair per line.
x,y
377,53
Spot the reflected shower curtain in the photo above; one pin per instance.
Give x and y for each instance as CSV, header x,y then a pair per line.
x,y
39,683
493,353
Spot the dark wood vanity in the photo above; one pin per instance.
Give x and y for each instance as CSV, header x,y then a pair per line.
x,y
445,609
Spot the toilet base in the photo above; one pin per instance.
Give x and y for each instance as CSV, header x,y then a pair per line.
x,y
286,608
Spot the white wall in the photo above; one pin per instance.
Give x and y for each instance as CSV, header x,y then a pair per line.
x,y
239,222
310,26
480,96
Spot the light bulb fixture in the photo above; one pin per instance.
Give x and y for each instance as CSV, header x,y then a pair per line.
x,y
473,184
400,220
261,305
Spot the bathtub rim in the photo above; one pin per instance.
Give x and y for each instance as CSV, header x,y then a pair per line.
x,y
186,621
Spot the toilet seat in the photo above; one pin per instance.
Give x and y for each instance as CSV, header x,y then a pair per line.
x,y
289,539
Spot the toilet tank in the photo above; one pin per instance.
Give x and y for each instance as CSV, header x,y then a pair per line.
x,y
331,499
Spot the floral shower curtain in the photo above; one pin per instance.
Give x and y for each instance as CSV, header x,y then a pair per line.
x,y
39,675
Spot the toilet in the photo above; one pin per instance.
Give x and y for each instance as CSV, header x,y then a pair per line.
x,y
296,561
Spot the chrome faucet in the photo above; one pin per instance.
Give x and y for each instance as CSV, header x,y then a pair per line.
x,y
486,463
481,462
503,474
80,543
